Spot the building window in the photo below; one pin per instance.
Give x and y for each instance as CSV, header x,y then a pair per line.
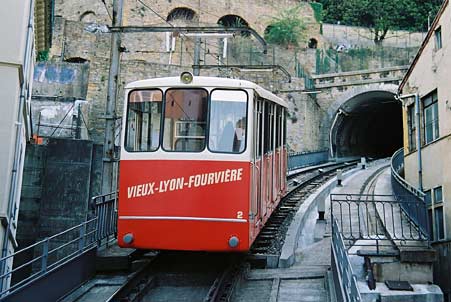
x,y
439,227
411,125
438,38
428,198
430,117
438,196
434,202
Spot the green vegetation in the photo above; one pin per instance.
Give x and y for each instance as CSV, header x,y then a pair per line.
x,y
382,15
286,29
317,10
42,56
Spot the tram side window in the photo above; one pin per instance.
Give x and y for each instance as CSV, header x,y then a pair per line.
x,y
143,120
269,133
228,122
278,126
284,126
185,120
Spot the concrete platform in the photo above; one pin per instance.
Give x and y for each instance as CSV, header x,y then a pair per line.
x,y
287,256
115,258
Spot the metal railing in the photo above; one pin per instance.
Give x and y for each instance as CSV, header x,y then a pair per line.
x,y
105,209
379,223
404,190
344,276
48,254
300,160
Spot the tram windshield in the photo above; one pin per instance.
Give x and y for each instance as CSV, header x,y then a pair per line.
x,y
185,120
227,133
178,121
143,120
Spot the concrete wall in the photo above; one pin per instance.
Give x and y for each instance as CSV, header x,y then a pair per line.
x,y
59,180
61,79
59,107
432,71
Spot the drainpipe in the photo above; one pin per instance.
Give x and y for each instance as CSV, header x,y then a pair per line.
x,y
418,125
12,209
418,138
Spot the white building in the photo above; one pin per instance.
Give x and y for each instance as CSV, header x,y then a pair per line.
x,y
17,57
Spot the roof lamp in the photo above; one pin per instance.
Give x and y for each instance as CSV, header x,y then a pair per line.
x,y
186,77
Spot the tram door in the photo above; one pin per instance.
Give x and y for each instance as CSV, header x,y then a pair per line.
x,y
258,207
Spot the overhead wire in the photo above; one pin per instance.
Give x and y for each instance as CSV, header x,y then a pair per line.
x,y
106,8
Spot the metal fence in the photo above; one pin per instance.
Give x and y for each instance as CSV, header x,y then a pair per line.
x,y
404,190
299,160
55,251
361,58
379,223
345,280
49,253
105,209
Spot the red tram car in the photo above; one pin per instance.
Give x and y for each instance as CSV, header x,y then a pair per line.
x,y
203,163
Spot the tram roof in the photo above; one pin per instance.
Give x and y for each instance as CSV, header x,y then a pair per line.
x,y
207,82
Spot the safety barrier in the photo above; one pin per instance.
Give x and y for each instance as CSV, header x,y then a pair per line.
x,y
105,209
48,254
299,160
345,280
404,190
380,221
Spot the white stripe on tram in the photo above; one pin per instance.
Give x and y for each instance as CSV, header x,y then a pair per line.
x,y
182,218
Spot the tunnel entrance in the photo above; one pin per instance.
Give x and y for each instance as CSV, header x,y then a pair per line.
x,y
369,124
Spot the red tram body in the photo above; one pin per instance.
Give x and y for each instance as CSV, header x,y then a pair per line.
x,y
203,163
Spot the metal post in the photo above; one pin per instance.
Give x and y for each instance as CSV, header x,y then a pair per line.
x,y
196,69
78,123
339,178
45,254
363,163
81,241
110,111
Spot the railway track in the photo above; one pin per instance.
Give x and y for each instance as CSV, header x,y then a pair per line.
x,y
183,276
212,277
300,185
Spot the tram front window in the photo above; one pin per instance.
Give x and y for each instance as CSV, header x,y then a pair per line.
x,y
143,120
228,121
185,120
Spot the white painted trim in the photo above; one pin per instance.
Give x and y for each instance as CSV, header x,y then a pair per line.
x,y
208,83
182,218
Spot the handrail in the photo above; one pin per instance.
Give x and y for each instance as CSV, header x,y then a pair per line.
x,y
396,159
105,209
349,290
402,188
74,242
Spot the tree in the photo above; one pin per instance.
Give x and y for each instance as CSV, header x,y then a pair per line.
x,y
286,29
382,15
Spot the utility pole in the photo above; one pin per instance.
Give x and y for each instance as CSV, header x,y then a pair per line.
x,y
110,111
196,69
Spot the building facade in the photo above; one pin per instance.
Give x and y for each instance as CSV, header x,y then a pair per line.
x,y
427,123
17,57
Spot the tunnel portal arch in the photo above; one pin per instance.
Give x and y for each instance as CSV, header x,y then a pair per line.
x,y
365,122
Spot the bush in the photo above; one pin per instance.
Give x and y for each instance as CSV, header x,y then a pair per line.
x,y
287,29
